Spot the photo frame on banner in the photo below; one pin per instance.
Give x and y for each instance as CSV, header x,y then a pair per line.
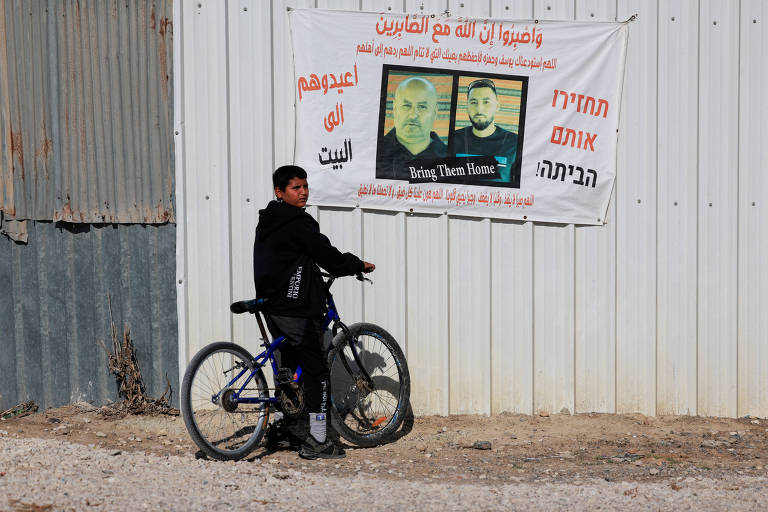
x,y
451,126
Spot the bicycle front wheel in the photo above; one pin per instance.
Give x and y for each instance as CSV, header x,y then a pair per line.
x,y
370,385
218,401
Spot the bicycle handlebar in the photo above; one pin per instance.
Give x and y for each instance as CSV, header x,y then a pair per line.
x,y
329,279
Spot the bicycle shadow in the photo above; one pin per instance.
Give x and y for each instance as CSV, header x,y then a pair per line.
x,y
347,396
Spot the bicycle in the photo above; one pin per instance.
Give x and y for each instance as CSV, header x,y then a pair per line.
x,y
226,402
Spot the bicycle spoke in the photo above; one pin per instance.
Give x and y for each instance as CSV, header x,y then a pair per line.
x,y
224,426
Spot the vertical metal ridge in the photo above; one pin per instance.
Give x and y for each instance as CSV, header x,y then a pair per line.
x,y
738,195
656,223
228,173
698,200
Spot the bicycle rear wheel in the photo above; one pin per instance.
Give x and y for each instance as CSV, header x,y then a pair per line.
x,y
368,413
220,424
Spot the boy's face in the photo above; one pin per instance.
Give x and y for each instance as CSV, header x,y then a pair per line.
x,y
295,193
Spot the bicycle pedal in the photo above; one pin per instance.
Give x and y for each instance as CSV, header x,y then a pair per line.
x,y
284,379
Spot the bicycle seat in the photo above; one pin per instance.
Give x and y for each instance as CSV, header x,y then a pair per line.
x,y
246,306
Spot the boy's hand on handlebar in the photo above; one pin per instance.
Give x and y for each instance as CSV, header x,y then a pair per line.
x,y
369,267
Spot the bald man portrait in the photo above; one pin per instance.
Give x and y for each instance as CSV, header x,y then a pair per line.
x,y
414,112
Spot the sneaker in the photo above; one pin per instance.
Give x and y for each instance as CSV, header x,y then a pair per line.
x,y
279,437
311,450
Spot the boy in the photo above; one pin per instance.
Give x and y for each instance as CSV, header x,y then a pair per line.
x,y
287,250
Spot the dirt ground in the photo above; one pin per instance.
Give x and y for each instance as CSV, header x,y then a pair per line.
x,y
499,449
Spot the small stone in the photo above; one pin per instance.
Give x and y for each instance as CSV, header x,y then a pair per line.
x,y
427,455
54,420
755,422
653,471
565,410
444,429
115,452
481,445
101,434
544,414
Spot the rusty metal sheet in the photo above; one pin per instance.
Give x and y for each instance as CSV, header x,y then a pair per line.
x,y
14,229
86,110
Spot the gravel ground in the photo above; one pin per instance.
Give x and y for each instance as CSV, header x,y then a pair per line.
x,y
47,474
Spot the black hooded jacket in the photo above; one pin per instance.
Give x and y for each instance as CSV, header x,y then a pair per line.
x,y
288,248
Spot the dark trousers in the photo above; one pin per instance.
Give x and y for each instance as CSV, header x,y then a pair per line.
x,y
304,347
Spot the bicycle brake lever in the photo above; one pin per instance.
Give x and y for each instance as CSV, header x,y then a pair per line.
x,y
360,277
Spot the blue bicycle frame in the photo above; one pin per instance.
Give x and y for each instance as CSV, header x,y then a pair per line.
x,y
260,360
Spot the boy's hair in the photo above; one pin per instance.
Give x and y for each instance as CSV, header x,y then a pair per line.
x,y
286,173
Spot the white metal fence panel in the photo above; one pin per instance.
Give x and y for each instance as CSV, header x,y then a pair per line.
x,y
553,291
512,290
250,147
205,176
718,206
677,198
753,228
636,217
659,311
469,306
427,329
595,281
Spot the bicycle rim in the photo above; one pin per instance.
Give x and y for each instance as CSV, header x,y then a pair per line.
x,y
222,427
368,416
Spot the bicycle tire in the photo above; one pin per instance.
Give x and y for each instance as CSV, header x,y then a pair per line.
x,y
368,417
223,430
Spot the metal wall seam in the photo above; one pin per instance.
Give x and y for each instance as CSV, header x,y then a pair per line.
x,y
179,95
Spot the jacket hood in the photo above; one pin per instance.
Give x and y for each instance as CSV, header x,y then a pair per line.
x,y
276,215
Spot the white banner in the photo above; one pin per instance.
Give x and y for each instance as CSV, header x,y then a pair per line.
x,y
478,117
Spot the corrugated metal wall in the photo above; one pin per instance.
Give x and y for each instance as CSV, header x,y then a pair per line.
x,y
85,110
660,311
54,309
85,123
